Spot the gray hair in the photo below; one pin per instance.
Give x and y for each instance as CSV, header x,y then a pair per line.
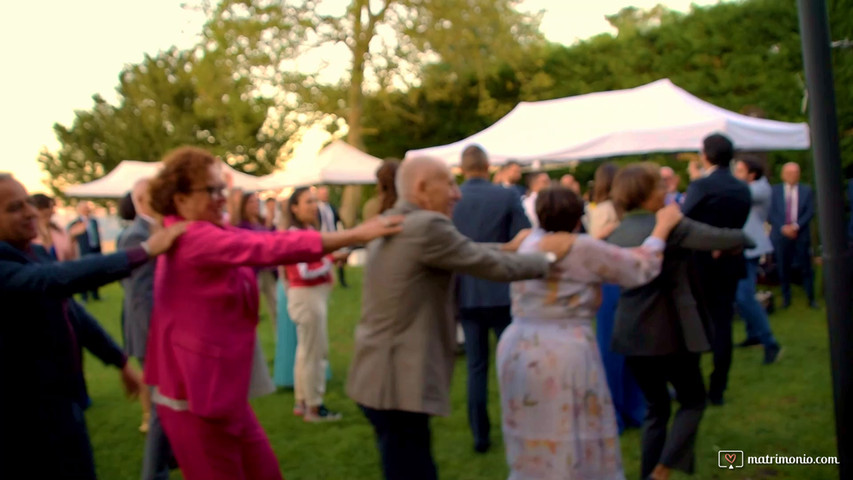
x,y
137,191
4,176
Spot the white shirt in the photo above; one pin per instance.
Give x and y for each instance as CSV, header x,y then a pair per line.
x,y
327,218
148,219
793,192
529,204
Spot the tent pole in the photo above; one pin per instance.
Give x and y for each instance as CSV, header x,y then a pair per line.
x,y
814,30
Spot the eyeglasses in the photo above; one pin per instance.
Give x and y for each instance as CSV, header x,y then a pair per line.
x,y
212,190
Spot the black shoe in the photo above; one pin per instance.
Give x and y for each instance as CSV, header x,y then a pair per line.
x,y
482,447
322,414
813,305
786,304
772,353
749,342
716,400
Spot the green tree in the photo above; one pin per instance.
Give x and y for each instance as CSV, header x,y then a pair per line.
x,y
737,55
386,41
176,98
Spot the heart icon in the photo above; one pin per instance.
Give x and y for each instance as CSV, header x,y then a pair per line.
x,y
731,457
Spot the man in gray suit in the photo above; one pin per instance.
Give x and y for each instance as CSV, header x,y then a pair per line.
x,y
138,302
405,343
749,169
486,213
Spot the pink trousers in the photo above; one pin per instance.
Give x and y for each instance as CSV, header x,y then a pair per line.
x,y
235,448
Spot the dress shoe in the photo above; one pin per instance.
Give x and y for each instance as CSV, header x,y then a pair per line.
x,y
482,447
772,354
716,400
813,305
749,342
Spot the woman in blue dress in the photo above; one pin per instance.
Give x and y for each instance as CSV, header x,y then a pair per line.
x,y
601,220
285,346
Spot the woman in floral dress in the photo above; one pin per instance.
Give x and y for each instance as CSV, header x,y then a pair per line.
x,y
558,417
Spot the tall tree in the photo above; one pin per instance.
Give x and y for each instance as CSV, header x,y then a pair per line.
x,y
386,41
176,98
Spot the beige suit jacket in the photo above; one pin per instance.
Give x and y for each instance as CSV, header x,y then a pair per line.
x,y
406,340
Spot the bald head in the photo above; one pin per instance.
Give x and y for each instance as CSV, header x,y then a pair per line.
x,y
791,173
427,182
141,197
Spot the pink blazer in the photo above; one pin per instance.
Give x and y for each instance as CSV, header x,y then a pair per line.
x,y
202,334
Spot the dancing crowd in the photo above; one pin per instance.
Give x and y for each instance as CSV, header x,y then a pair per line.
x,y
601,306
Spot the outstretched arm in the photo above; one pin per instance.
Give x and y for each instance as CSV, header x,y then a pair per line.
x,y
63,279
93,338
447,249
628,267
695,235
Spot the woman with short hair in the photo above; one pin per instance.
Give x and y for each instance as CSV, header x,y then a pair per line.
x,y
658,326
558,418
203,326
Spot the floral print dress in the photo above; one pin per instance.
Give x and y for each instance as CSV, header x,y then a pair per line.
x,y
557,415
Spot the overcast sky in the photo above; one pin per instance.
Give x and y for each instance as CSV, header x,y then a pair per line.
x,y
58,53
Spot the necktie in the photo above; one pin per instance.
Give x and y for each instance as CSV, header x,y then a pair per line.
x,y
789,206
92,232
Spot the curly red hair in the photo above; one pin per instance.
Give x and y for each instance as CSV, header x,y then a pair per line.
x,y
181,168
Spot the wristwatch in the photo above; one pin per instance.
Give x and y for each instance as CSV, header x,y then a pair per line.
x,y
551,257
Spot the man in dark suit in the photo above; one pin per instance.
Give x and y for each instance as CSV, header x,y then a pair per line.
x,y
791,212
138,303
85,231
486,213
850,202
42,427
720,200
510,177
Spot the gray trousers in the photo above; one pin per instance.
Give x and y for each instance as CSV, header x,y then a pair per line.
x,y
158,454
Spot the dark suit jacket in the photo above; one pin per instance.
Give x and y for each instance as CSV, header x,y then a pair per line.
x,y
335,216
138,291
850,202
663,317
719,200
83,239
41,335
805,213
487,213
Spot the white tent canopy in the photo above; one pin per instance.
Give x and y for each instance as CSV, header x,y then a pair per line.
x,y
658,117
338,163
121,179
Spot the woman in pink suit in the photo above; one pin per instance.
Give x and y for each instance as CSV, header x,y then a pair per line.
x,y
202,335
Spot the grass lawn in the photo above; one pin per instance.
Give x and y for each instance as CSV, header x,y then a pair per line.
x,y
783,409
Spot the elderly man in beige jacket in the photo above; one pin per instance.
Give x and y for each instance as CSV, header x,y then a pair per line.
x,y
406,341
